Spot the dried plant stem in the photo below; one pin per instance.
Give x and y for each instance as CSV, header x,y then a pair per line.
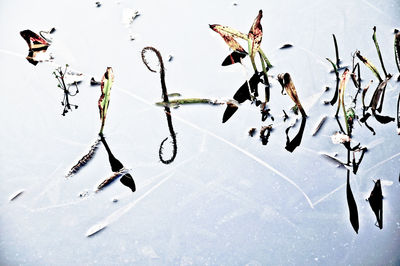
x,y
378,51
336,50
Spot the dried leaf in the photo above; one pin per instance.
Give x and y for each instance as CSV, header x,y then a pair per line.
x,y
286,82
228,34
35,44
255,35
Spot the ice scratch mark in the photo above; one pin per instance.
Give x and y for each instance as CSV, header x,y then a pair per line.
x,y
248,154
50,184
382,162
56,206
329,194
117,214
150,180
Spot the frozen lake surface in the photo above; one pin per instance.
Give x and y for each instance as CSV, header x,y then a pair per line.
x,y
225,199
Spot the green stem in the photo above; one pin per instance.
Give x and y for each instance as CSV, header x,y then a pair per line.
x,y
187,101
263,65
251,55
264,57
334,68
345,118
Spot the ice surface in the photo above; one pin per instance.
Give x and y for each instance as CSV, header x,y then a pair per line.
x,y
226,199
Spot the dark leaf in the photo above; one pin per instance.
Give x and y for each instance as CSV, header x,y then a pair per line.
x,y
128,181
234,57
383,119
242,93
336,50
254,80
115,164
352,205
285,46
231,108
296,141
375,201
365,118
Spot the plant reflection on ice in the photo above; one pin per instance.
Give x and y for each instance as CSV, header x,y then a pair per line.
x,y
118,169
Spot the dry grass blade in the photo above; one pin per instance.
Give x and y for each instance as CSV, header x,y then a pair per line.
x,y
379,94
110,179
84,160
365,92
369,65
